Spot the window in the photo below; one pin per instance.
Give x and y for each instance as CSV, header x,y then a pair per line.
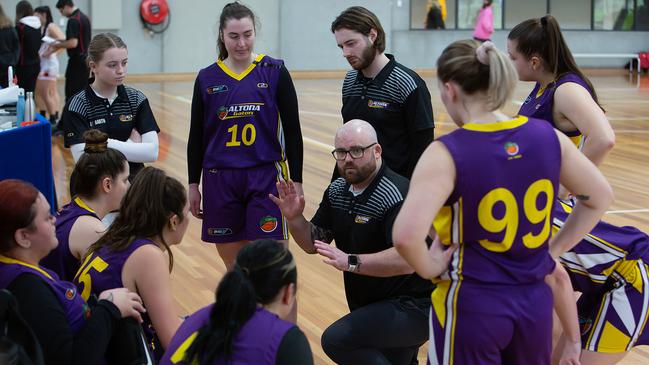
x,y
521,10
613,15
573,14
432,14
642,15
468,11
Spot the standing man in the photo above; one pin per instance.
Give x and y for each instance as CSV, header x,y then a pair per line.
x,y
77,38
390,96
389,303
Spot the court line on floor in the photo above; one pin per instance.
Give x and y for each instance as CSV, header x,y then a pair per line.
x,y
628,211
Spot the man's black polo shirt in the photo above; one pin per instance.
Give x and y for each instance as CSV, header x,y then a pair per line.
x,y
78,27
397,104
363,224
129,110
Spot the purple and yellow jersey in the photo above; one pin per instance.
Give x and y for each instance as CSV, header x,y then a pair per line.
x,y
241,121
74,307
61,260
540,102
606,251
256,342
500,211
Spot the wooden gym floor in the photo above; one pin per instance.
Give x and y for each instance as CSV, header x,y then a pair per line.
x,y
198,268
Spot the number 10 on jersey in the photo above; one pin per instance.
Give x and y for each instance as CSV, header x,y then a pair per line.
x,y
248,135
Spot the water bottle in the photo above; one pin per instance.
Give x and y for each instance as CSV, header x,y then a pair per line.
x,y
30,108
20,106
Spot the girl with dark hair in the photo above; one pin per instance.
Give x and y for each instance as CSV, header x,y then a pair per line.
x,y
98,183
28,27
107,104
152,218
244,127
9,47
47,94
481,186
249,322
68,331
563,95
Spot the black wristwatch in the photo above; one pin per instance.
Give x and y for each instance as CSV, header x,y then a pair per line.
x,y
353,263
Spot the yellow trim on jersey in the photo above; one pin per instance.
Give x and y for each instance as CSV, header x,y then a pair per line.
x,y
541,91
498,126
611,340
280,136
180,352
245,73
10,261
455,296
443,223
577,140
83,205
438,298
598,318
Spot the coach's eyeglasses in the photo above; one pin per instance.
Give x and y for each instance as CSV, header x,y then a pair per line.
x,y
356,152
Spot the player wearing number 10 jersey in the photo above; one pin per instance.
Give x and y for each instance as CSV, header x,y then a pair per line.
x,y
489,187
244,128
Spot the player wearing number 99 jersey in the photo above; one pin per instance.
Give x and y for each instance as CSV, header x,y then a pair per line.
x,y
489,188
244,128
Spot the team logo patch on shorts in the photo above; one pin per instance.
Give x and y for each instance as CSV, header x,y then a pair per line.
x,y
268,224
377,104
126,118
70,293
219,231
361,219
217,89
585,324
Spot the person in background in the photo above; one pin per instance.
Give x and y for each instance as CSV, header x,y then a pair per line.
x,y
47,94
9,47
484,22
28,27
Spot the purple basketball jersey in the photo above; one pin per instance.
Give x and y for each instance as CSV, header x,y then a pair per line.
x,y
241,123
600,253
74,307
61,260
256,343
540,106
500,211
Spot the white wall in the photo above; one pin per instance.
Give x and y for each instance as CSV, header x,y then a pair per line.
x,y
298,31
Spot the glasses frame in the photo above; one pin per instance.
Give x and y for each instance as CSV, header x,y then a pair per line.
x,y
333,153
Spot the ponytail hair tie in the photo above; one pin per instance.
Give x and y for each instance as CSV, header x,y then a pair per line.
x,y
544,21
482,52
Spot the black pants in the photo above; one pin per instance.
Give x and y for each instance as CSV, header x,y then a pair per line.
x,y
386,332
27,76
76,76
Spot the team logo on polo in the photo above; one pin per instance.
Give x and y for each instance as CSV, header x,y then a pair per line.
x,y
361,219
268,224
97,122
239,110
217,89
512,150
377,104
126,118
70,293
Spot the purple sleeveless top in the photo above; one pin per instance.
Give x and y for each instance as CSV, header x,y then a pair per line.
x,y
541,107
102,270
506,173
60,260
75,308
256,343
607,249
241,121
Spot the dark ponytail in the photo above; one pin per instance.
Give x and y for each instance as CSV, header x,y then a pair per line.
x,y
542,37
234,10
262,269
